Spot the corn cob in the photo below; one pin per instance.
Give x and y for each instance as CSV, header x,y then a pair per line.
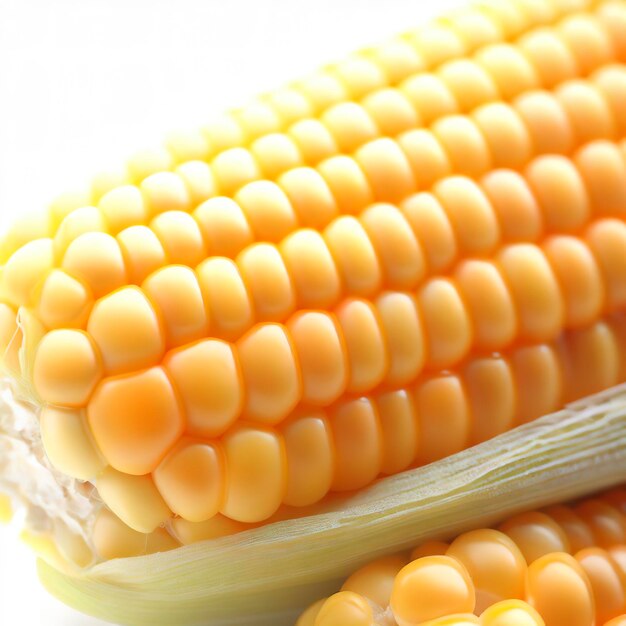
x,y
366,272
561,566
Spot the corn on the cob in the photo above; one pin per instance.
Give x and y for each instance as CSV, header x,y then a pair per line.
x,y
563,566
370,270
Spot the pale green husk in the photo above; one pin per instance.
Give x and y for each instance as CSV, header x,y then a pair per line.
x,y
268,575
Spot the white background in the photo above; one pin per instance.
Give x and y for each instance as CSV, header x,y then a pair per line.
x,y
84,83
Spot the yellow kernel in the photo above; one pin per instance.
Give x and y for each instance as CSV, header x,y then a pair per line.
x,y
180,236
359,75
511,72
558,589
190,480
309,454
402,329
354,255
587,111
268,282
432,227
546,121
164,191
289,104
387,169
391,110
267,209
397,58
449,336
538,381
470,214
223,132
257,118
611,81
468,82
400,430
135,420
560,193
606,580
345,609
430,96
444,418
67,368
536,535
126,329
225,295
207,378
495,564
122,207
143,252
176,294
223,226
431,587
511,613
427,157
257,473
313,139
312,269
275,153
63,301
578,534
551,59
134,499
347,183
535,291
474,28
587,40
464,144
321,356
514,205
508,139
368,360
272,379
310,197
437,44
115,540
591,361
607,240
604,521
25,268
96,258
603,170
84,220
488,302
492,398
234,168
579,279
358,446
375,580
198,179
397,246
68,444
350,125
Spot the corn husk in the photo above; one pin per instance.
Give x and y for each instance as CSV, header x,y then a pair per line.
x,y
268,575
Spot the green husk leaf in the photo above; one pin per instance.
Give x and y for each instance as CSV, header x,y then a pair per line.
x,y
268,575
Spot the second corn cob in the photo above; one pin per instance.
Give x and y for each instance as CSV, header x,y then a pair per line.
x,y
564,566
